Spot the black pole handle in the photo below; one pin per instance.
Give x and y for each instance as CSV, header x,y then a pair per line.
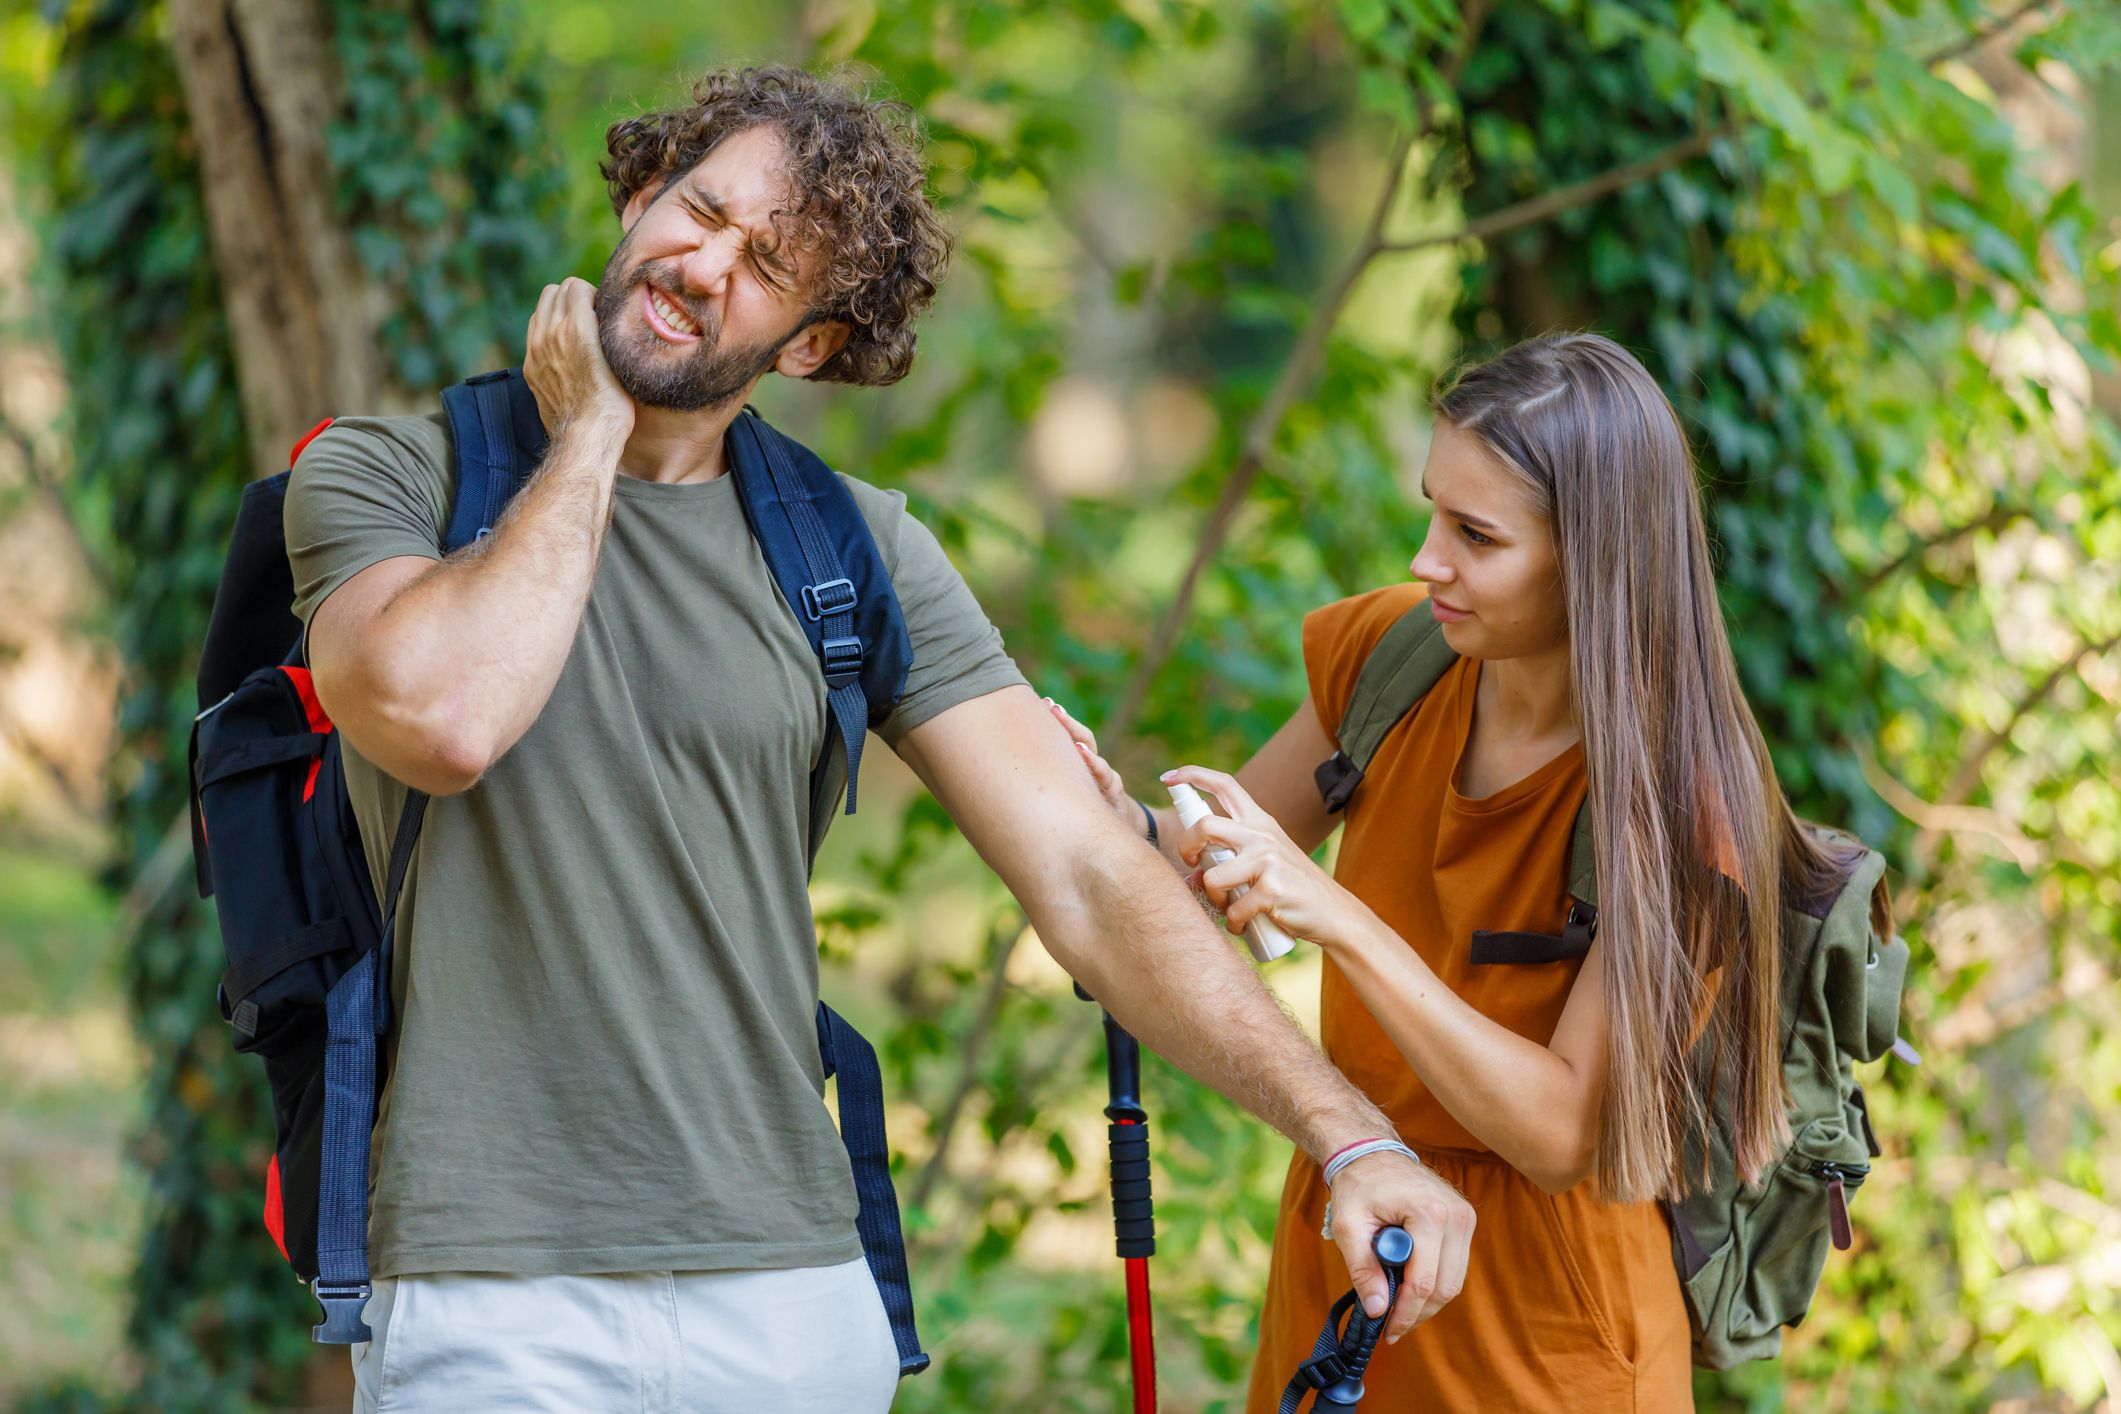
x,y
1336,1367
1133,1209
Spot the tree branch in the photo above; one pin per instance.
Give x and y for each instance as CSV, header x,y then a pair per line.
x,y
1981,1018
1949,814
1294,377
1981,34
1997,516
1547,205
54,770
1260,432
2020,849
1002,938
46,482
156,877
1968,775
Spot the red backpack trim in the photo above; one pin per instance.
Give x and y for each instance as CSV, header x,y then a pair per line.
x,y
275,1216
319,719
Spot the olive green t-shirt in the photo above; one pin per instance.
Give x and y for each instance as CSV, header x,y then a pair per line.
x,y
605,1054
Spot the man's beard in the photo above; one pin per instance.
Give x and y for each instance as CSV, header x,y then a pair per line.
x,y
656,374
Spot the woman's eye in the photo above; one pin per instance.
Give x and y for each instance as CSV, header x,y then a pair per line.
x,y
1475,536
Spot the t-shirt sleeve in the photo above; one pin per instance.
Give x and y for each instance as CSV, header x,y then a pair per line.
x,y
1339,638
365,490
957,653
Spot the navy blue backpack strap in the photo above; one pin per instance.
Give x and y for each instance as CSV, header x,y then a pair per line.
x,y
499,437
356,1010
832,575
844,1051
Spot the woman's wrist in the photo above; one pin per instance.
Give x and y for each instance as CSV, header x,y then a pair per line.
x,y
1357,932
1150,832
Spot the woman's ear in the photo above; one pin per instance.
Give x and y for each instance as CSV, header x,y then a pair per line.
x,y
812,348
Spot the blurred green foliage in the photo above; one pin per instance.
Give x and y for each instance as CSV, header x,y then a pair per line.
x,y
1868,292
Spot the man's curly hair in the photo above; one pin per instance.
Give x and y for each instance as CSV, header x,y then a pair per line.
x,y
862,207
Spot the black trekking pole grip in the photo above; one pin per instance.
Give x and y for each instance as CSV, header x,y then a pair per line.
x,y
1133,1209
1338,1360
1133,1213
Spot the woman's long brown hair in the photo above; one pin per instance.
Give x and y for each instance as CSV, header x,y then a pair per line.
x,y
1696,843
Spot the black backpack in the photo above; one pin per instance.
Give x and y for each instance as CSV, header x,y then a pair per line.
x,y
277,848
1748,1256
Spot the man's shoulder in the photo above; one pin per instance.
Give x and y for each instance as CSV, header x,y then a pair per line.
x,y
418,442
879,505
395,444
885,513
360,464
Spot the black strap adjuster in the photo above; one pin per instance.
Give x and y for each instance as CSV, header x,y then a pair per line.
x,y
834,596
1581,929
1337,778
1322,1371
843,661
343,1303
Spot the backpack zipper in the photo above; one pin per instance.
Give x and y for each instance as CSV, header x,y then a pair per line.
x,y
1839,1179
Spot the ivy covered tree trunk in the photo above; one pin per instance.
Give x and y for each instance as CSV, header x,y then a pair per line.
x,y
261,84
278,211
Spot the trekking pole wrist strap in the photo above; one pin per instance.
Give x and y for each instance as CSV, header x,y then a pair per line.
x,y
1362,1149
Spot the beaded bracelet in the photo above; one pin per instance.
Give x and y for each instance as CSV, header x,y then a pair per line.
x,y
1342,1158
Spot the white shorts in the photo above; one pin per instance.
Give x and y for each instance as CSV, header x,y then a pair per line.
x,y
805,1340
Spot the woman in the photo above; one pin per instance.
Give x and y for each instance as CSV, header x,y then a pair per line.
x,y
1568,567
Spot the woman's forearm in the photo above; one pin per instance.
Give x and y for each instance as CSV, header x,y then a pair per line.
x,y
1535,1108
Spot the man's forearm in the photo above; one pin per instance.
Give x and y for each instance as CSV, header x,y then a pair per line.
x,y
478,641
1142,945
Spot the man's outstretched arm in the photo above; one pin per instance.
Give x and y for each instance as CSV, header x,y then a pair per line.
x,y
1112,912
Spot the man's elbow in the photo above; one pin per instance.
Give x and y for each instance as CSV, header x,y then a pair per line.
x,y
1079,910
429,743
450,766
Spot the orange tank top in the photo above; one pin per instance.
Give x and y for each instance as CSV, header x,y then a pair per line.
x,y
1436,866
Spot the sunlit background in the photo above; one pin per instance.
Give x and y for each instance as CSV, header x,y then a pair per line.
x,y
1210,259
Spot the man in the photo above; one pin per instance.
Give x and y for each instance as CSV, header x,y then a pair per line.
x,y
604,1174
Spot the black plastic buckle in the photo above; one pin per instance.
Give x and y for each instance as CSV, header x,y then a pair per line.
x,y
1337,779
1321,1371
343,1305
843,661
834,596
1582,928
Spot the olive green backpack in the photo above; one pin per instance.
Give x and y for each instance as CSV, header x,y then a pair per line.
x,y
1748,1255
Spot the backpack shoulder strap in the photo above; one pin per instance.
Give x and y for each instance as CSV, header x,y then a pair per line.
x,y
1410,659
815,541
499,439
846,1054
833,576
1583,860
1407,662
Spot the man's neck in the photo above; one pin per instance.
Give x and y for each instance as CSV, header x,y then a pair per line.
x,y
678,447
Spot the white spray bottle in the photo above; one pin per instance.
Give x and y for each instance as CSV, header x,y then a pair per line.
x,y
1263,935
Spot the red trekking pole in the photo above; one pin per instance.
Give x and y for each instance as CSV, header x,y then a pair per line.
x,y
1133,1211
